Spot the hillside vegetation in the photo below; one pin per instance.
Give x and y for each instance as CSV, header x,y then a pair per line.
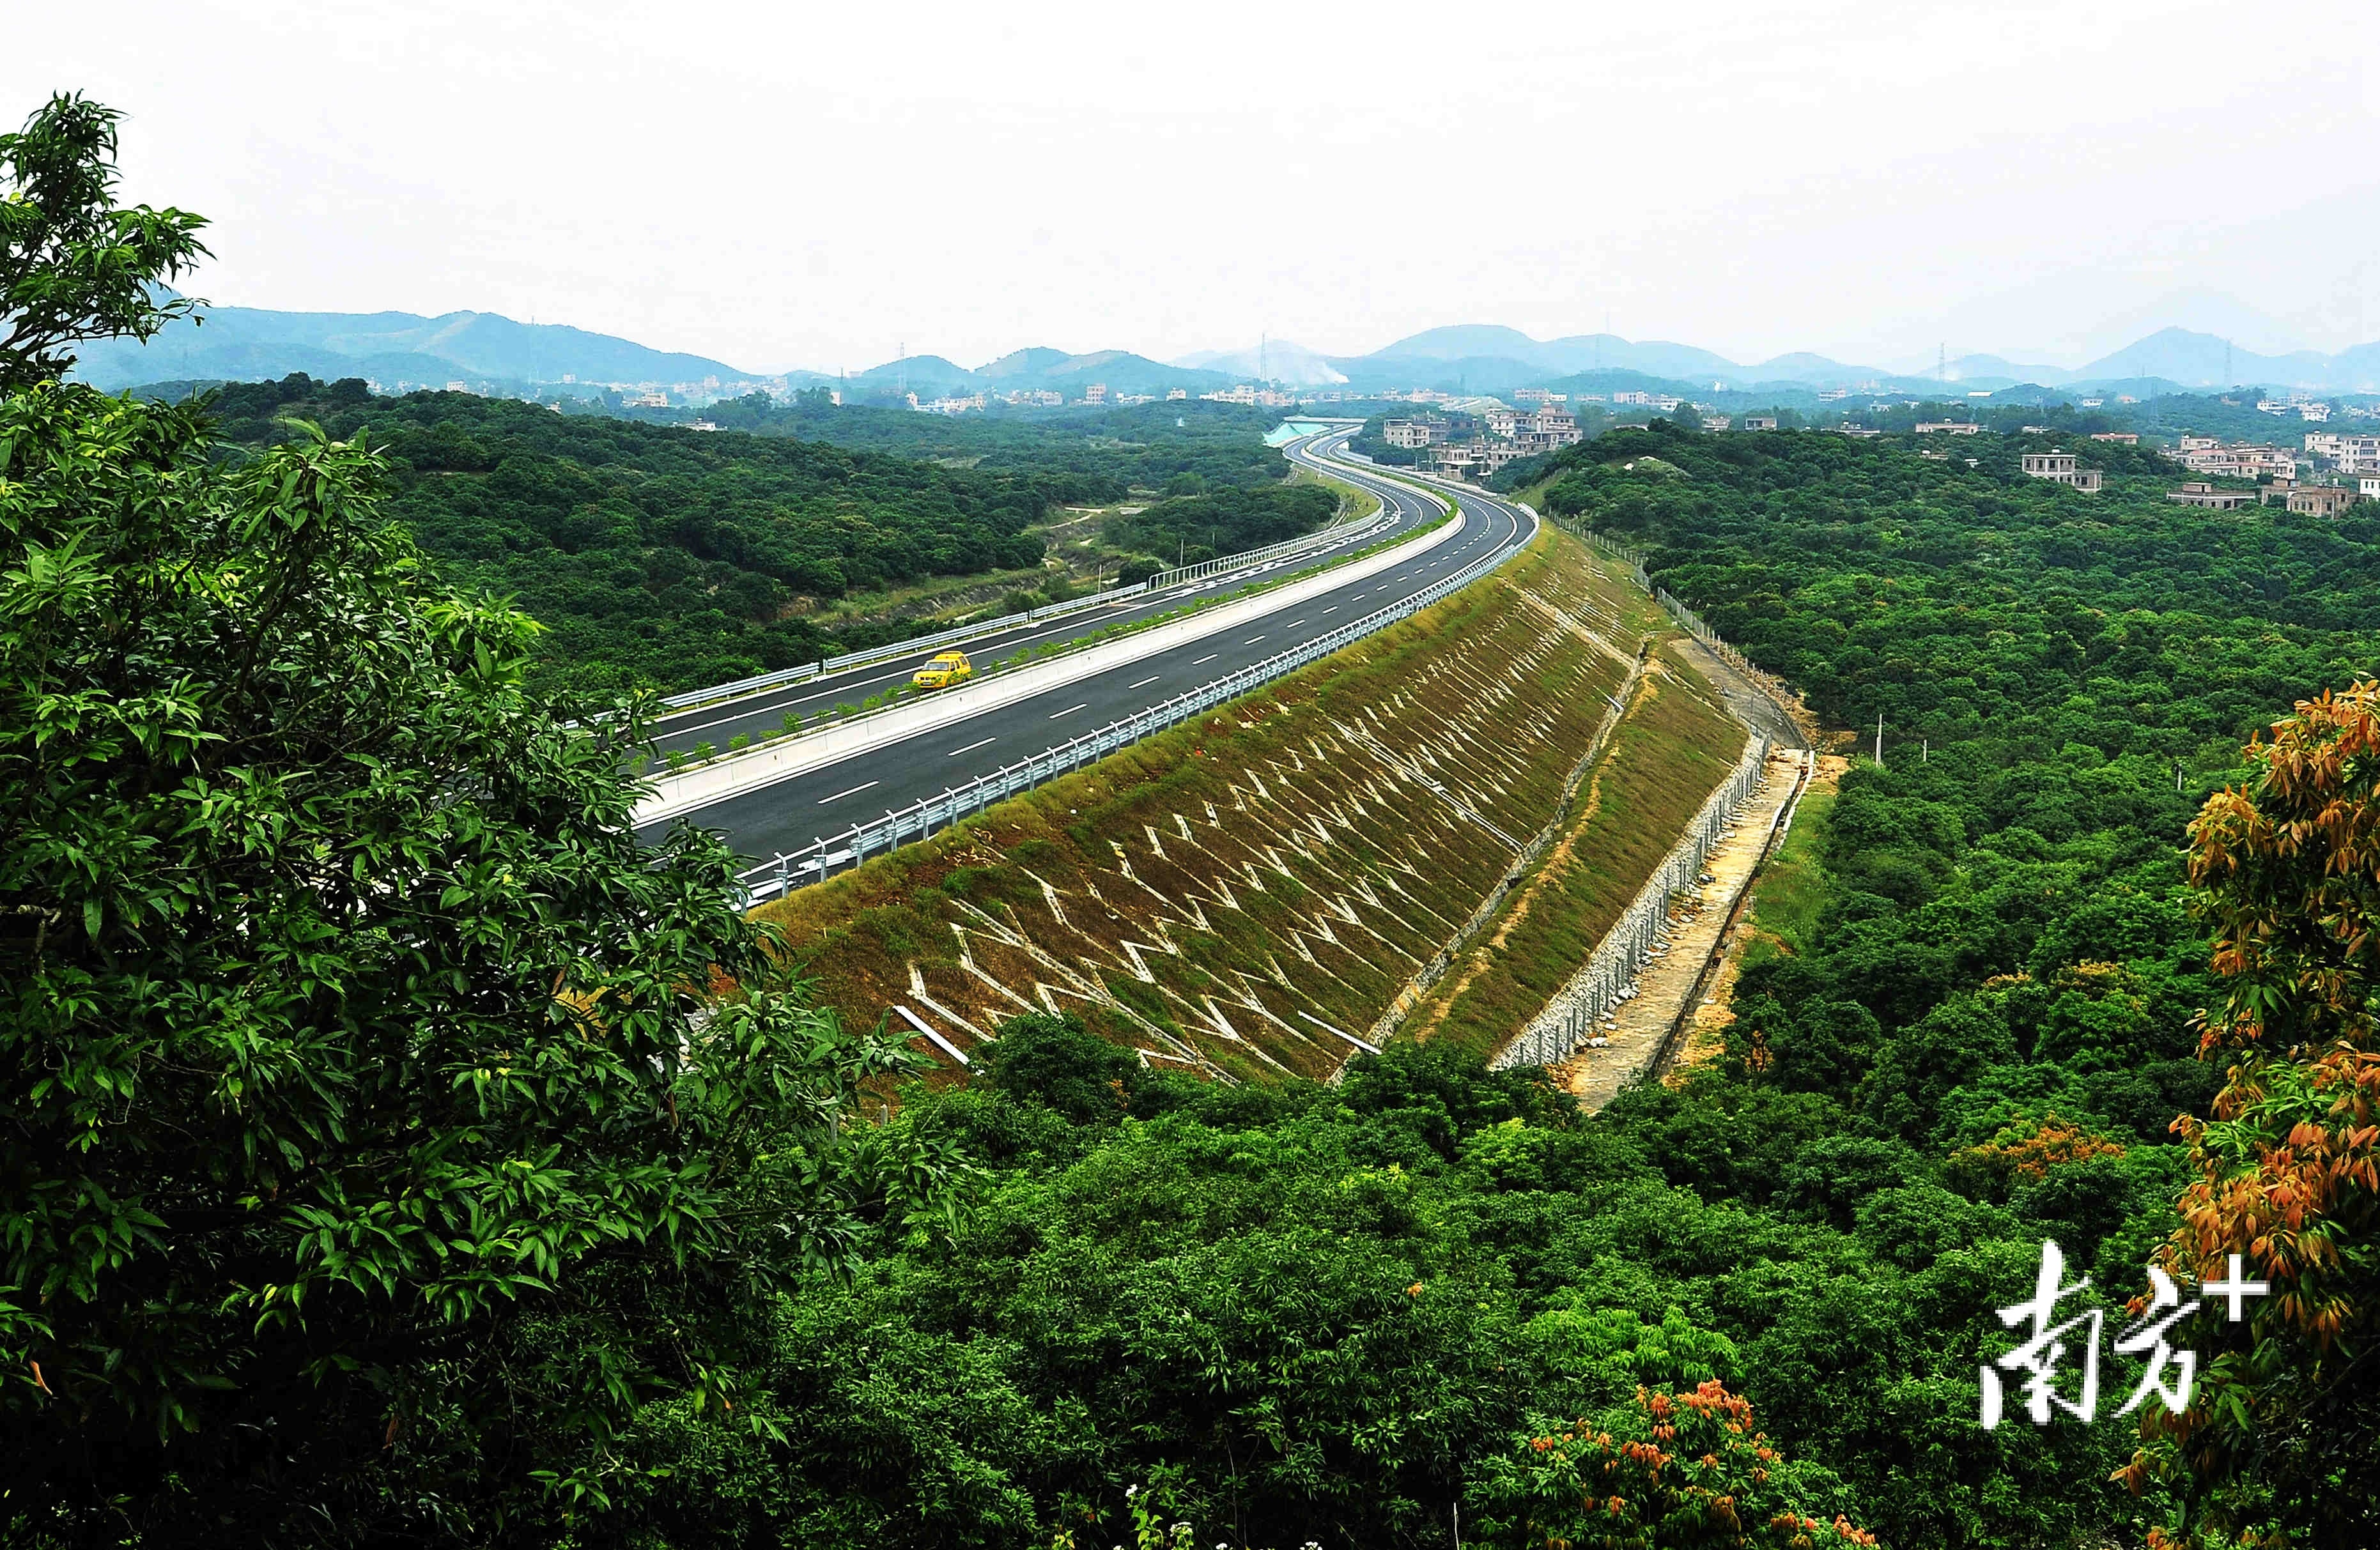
x,y
672,558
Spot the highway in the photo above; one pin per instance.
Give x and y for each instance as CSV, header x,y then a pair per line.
x,y
752,715
792,813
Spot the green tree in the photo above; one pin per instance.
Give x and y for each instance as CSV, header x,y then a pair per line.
x,y
375,1137
74,264
2279,1444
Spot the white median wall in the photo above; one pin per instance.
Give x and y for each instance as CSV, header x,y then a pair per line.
x,y
787,757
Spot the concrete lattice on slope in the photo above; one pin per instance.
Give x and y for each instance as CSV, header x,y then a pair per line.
x,y
1244,895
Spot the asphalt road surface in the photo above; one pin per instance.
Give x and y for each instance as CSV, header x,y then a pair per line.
x,y
791,813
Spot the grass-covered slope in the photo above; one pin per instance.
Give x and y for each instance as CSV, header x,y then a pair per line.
x,y
1226,896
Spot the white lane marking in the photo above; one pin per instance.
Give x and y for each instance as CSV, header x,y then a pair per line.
x,y
970,747
1144,683
1294,624
1332,609
1068,711
1251,640
1203,662
852,791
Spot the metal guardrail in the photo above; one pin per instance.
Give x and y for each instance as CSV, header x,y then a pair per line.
x,y
823,857
1610,976
1321,537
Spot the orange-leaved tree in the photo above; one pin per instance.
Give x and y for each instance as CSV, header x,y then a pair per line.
x,y
1686,1469
2281,1442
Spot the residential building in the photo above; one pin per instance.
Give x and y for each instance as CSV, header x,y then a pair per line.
x,y
2122,438
1415,432
2203,455
2348,455
1718,422
1947,427
1546,431
2198,492
2320,500
2059,467
2368,487
1500,421
1632,398
1176,394
1760,422
1831,395
1095,393
1538,396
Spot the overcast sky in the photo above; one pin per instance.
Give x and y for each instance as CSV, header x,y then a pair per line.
x,y
782,186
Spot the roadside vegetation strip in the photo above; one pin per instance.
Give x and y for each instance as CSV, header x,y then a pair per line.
x,y
1243,893
1335,531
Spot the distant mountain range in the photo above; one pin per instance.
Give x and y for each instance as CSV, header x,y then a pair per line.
x,y
484,350
1488,358
1038,369
248,344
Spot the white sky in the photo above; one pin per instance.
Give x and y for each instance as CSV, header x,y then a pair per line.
x,y
780,186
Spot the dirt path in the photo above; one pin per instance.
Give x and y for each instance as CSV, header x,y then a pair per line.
x,y
1642,1024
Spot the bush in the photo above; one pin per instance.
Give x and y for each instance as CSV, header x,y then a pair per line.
x,y
1056,1062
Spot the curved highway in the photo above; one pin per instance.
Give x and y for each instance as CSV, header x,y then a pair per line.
x,y
751,715
792,813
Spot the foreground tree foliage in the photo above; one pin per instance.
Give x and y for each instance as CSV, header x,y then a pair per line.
x,y
74,264
365,1160
2283,1442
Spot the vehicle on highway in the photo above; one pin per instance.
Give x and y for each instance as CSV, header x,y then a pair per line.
x,y
948,668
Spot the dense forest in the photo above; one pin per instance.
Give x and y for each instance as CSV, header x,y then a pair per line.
x,y
671,558
1347,1314
1144,446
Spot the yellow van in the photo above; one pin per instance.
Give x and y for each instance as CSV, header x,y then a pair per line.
x,y
951,667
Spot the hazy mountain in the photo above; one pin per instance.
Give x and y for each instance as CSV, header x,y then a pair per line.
x,y
2203,360
1477,343
1276,360
927,376
249,343
1037,369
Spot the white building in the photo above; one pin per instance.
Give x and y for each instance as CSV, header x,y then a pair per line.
x,y
2057,466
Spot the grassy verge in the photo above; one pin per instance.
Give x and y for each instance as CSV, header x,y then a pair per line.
x,y
1791,888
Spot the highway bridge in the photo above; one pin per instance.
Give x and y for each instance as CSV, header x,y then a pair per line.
x,y
908,762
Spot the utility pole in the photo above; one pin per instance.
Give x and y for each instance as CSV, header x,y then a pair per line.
x,y
1925,750
1879,738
